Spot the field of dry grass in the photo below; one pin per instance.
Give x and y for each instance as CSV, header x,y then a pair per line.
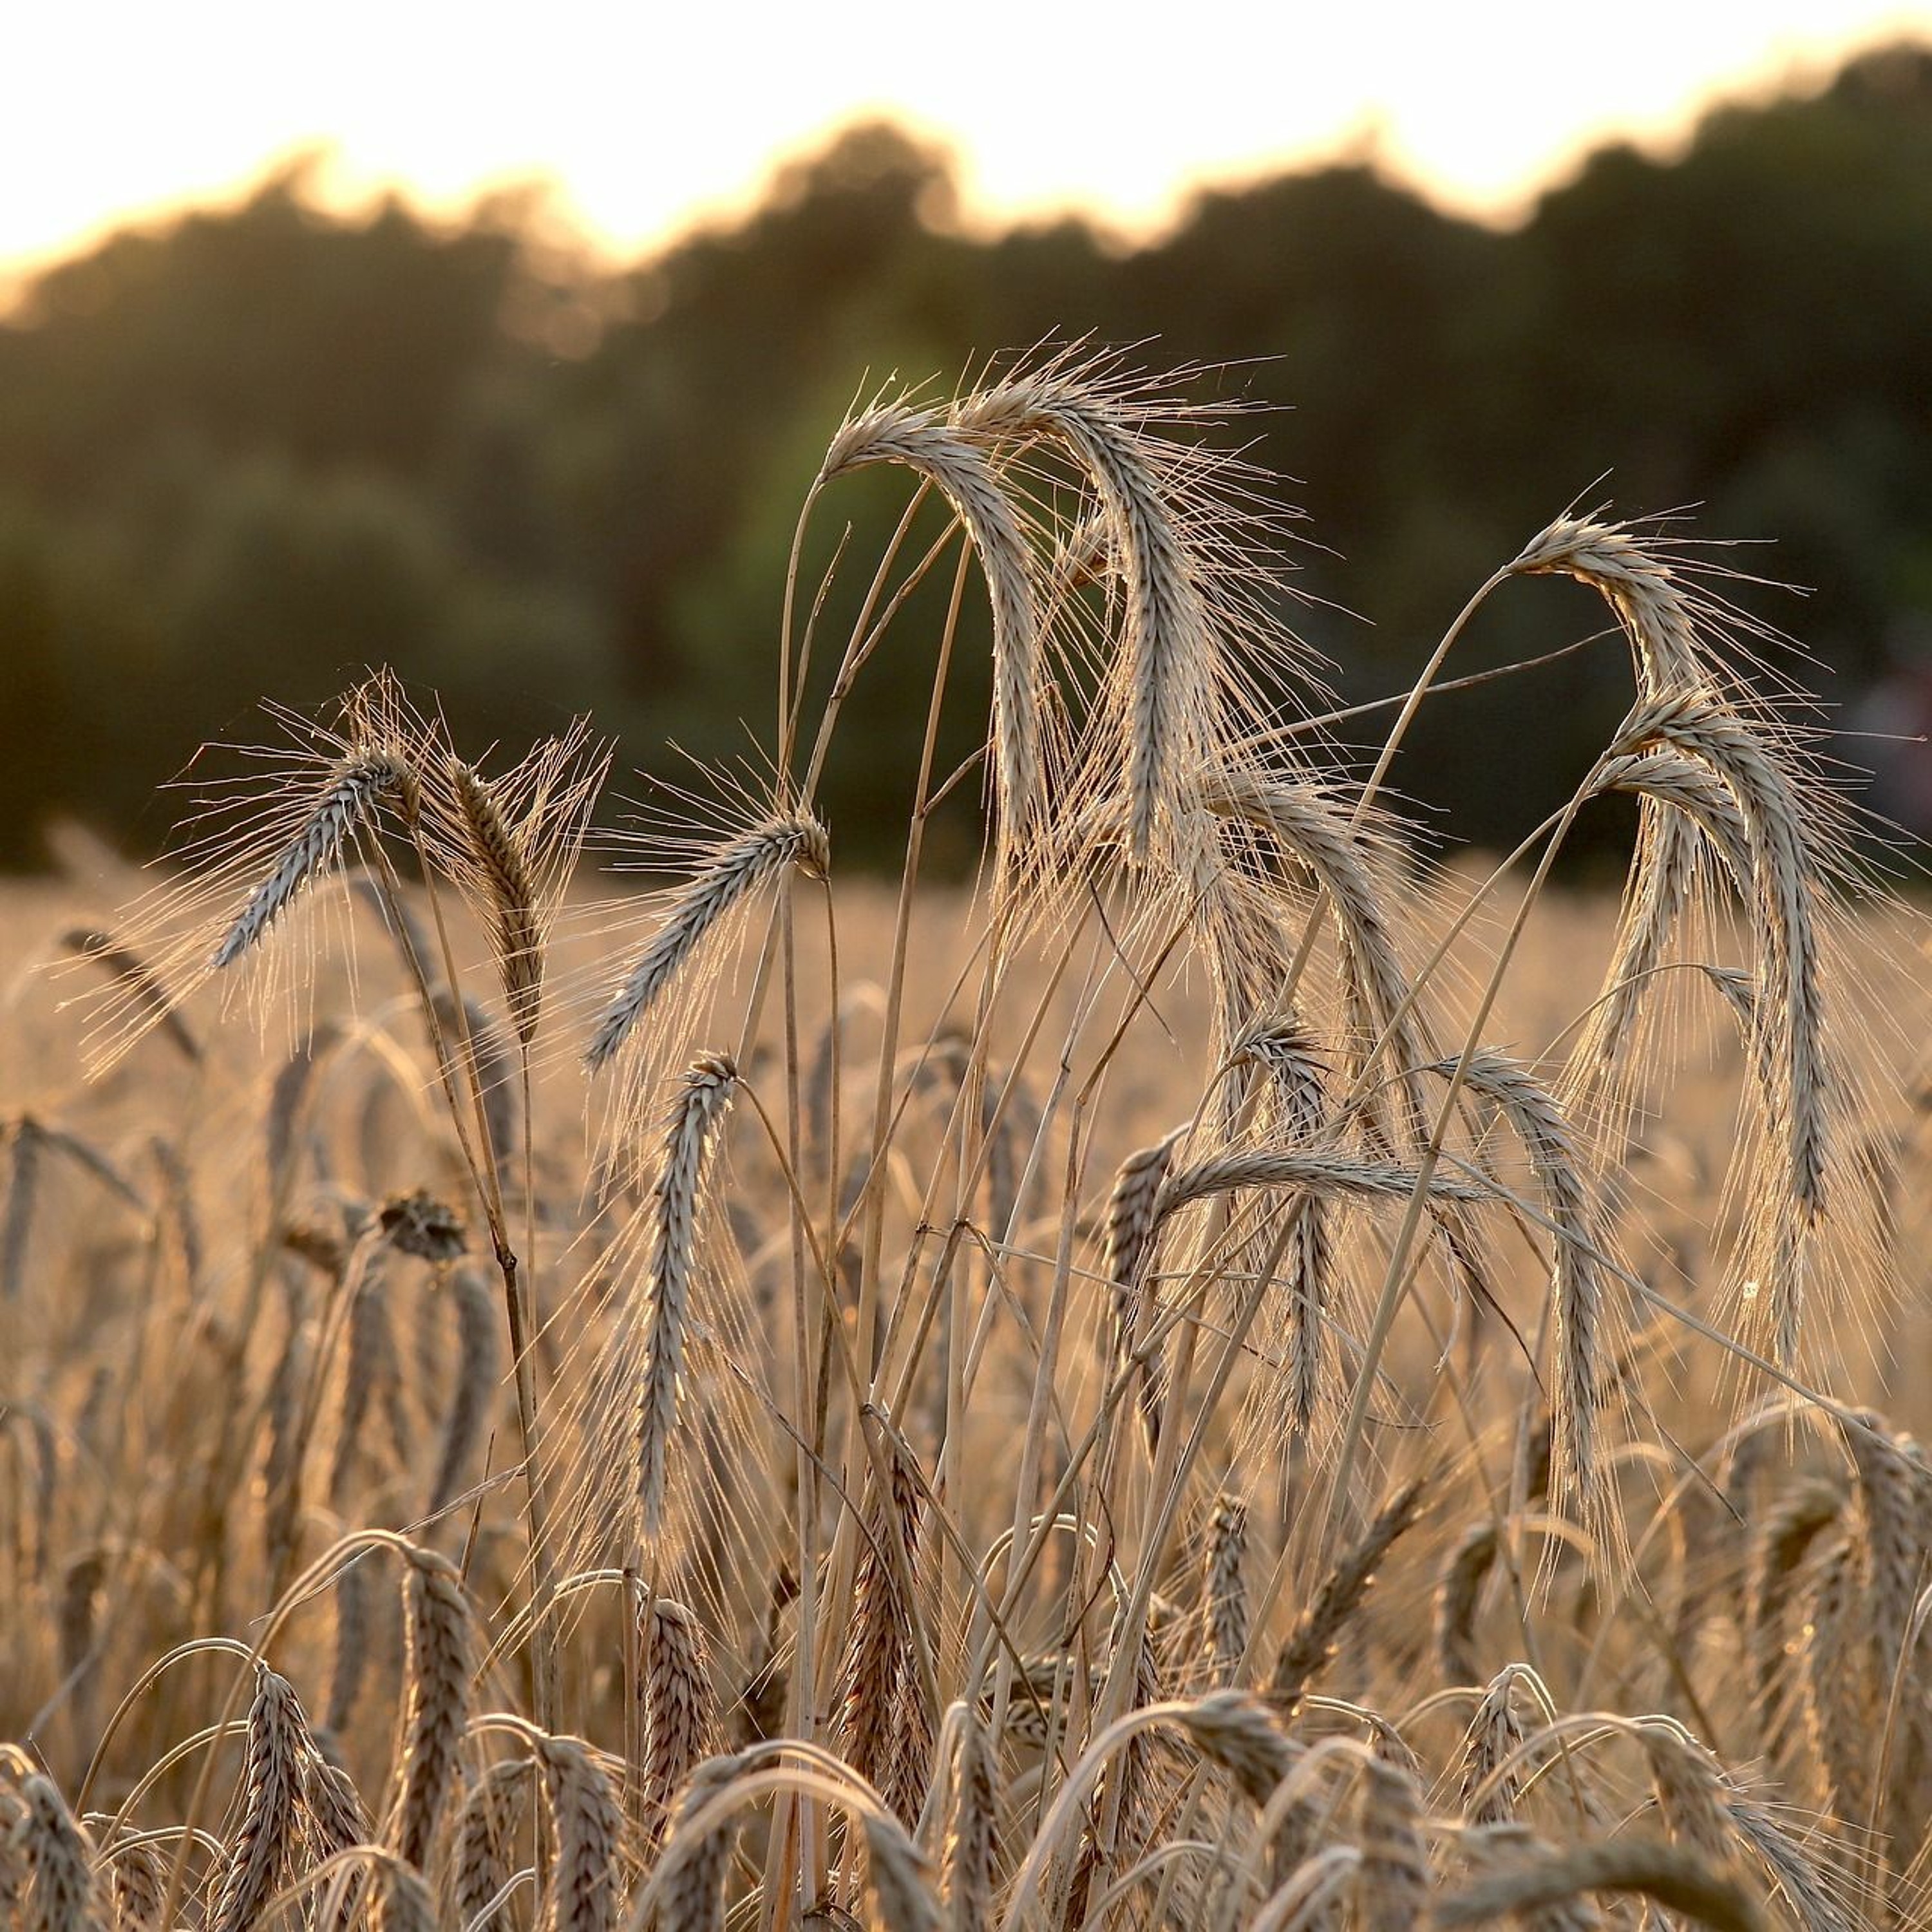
x,y
1225,1379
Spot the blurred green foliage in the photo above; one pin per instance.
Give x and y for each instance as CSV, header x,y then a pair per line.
x,y
254,452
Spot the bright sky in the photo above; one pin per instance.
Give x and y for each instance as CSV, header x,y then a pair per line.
x,y
659,112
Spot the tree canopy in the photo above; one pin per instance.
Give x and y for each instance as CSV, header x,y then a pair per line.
x,y
256,450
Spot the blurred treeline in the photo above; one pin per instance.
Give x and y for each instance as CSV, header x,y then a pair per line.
x,y
249,454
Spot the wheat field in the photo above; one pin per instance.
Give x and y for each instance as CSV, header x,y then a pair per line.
x,y
1228,1375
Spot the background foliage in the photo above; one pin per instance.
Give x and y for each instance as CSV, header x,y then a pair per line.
x,y
262,449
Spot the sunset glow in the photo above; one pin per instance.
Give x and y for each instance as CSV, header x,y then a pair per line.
x,y
648,119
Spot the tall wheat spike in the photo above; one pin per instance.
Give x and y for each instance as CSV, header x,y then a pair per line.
x,y
439,1699
922,441
709,1084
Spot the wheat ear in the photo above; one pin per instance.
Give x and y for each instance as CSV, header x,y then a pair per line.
x,y
140,1888
1339,1596
732,871
336,1822
259,1853
1664,622
1495,1738
1577,1244
1841,1698
360,782
584,1815
902,1879
439,1698
1674,1877
1284,1048
63,1895
351,1654
1224,1589
1235,1731
1311,827
1170,646
1392,1881
1133,1223
1496,1851
496,848
1458,1586
479,1367
1315,1173
709,1084
1791,1525
478,1867
931,447
886,1733
680,1708
972,1826
691,1873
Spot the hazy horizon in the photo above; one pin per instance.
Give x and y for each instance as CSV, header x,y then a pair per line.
x,y
1480,115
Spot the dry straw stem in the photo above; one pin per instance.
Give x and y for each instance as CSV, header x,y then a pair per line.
x,y
1672,1876
729,875
1308,1899
709,1084
922,442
